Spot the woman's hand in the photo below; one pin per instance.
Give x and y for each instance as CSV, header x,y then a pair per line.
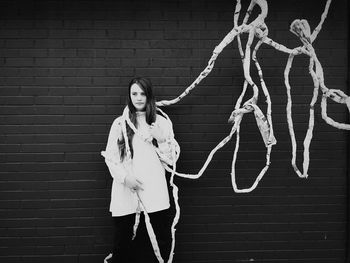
x,y
157,132
133,183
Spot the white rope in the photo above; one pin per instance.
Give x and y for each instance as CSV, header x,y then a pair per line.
x,y
256,28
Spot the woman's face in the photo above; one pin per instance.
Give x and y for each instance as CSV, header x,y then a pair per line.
x,y
138,97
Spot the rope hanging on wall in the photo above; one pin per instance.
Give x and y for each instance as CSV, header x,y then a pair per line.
x,y
257,28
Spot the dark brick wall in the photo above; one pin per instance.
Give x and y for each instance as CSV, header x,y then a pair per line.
x,y
64,68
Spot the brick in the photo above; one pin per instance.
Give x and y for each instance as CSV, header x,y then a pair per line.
x,y
10,72
177,15
28,72
33,33
119,53
17,23
77,62
105,81
149,53
177,35
137,62
77,81
49,43
9,33
17,100
49,81
166,24
107,63
85,91
49,100
48,23
134,25
120,71
58,53
78,43
120,34
77,23
162,62
16,62
152,34
134,44
48,62
177,53
19,43
87,33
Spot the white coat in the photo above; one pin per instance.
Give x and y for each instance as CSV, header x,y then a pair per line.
x,y
145,165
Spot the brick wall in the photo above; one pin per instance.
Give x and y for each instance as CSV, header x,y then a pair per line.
x,y
64,68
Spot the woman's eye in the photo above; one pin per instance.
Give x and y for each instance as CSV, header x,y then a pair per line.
x,y
135,94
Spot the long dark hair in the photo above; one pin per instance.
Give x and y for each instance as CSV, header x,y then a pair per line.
x,y
150,109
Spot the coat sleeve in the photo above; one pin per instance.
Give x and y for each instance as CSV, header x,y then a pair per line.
x,y
165,149
111,154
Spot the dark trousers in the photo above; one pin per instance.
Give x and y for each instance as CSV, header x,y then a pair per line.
x,y
140,249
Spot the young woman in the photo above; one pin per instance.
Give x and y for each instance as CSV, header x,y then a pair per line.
x,y
144,176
